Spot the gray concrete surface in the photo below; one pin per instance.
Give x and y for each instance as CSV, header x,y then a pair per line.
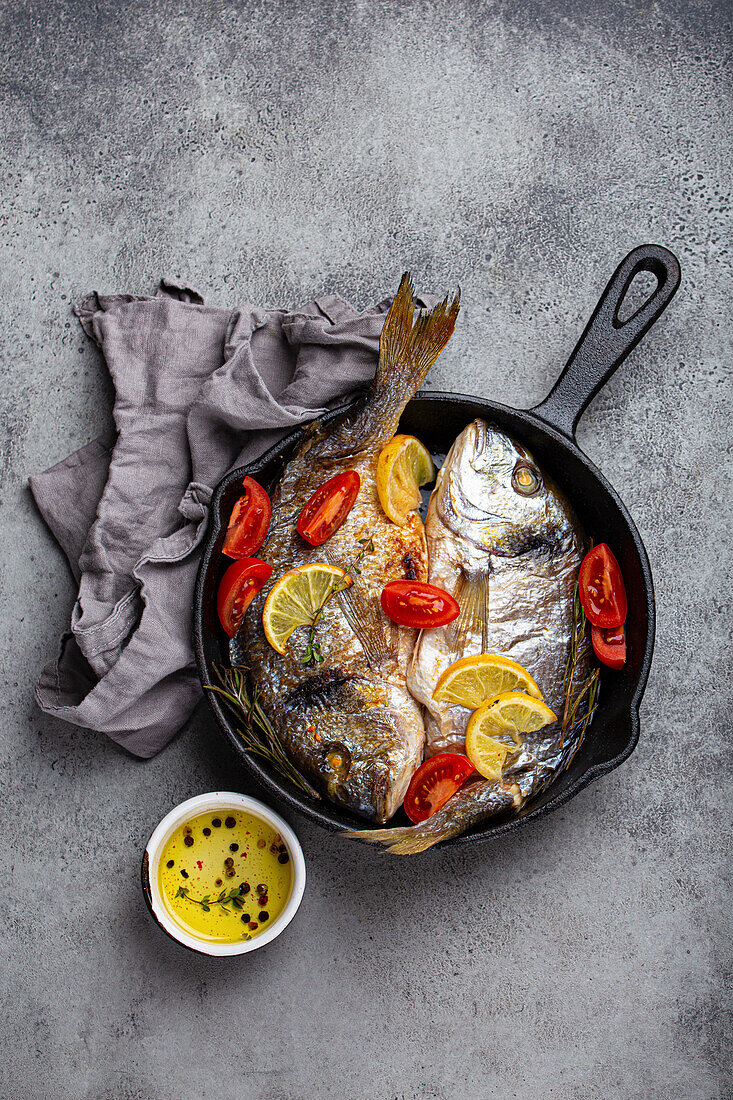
x,y
266,151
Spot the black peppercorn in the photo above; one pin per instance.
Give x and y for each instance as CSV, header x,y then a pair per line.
x,y
230,822
185,874
229,862
261,888
218,882
216,822
283,858
169,863
246,918
188,841
244,887
207,832
264,917
233,847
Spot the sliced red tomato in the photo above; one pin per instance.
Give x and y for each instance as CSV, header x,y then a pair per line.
x,y
609,645
329,506
434,783
237,588
415,603
601,587
249,522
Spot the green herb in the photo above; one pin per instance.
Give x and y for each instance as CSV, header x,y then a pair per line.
x,y
234,898
313,653
258,735
577,694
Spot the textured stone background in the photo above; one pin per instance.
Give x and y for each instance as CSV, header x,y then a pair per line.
x,y
265,151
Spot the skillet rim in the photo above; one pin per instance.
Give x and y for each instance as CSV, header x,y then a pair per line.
x,y
561,442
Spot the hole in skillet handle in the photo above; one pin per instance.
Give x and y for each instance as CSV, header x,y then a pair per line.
x,y
607,339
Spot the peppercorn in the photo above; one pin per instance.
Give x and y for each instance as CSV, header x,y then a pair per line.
x,y
252,925
169,863
218,882
216,822
261,888
185,874
244,887
233,847
229,862
261,842
207,832
264,917
230,822
246,918
283,858
230,872
262,902
188,841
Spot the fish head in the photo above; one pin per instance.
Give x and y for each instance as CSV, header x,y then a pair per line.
x,y
492,493
359,738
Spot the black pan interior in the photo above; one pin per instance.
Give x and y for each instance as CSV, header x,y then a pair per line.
x,y
437,419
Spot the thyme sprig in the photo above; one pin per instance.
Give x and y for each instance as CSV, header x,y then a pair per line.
x,y
234,897
574,694
258,733
312,654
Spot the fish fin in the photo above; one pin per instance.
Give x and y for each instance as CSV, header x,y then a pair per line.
x,y
404,841
472,595
364,615
408,349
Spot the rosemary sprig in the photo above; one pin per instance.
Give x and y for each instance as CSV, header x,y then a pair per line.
x,y
313,653
576,695
234,897
258,733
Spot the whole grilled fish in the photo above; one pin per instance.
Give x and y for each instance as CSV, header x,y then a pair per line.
x,y
505,542
349,724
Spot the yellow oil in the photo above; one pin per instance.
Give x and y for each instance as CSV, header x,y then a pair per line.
x,y
216,853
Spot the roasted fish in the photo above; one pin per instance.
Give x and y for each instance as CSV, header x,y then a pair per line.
x,y
349,724
503,539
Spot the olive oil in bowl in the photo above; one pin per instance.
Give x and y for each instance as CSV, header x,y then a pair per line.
x,y
225,878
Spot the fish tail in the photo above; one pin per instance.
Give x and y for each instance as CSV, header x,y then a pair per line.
x,y
405,841
469,806
408,349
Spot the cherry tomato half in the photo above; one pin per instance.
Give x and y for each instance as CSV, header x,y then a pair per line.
x,y
249,522
237,588
414,603
434,783
609,645
601,587
329,506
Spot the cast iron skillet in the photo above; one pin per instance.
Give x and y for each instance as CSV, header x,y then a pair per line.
x,y
548,430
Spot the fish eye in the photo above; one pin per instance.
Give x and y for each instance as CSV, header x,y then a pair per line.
x,y
525,480
338,760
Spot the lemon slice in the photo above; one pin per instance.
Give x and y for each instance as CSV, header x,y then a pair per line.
x,y
499,722
402,467
297,597
476,680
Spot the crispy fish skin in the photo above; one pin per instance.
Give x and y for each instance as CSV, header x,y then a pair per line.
x,y
511,558
349,723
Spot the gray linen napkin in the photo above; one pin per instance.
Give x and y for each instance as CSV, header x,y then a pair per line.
x,y
198,391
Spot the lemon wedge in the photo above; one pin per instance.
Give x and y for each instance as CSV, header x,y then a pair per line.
x,y
494,730
297,597
402,467
479,679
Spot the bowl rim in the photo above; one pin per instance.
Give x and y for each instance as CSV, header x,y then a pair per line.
x,y
192,807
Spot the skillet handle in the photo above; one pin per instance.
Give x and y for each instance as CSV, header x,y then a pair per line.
x,y
607,341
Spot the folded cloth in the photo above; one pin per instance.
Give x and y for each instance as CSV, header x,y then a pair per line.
x,y
199,391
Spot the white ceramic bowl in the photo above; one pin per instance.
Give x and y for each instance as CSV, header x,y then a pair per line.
x,y
221,801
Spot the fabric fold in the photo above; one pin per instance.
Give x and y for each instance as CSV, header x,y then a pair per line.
x,y
199,391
